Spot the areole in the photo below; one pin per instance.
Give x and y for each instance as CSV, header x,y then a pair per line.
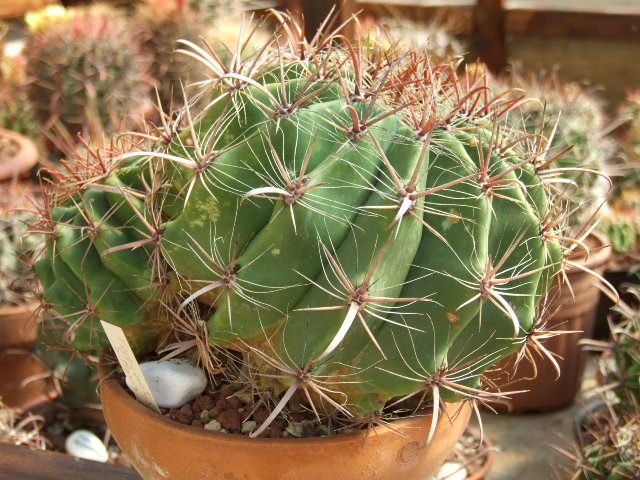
x,y
159,448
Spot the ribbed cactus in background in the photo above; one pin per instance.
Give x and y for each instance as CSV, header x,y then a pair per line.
x,y
621,215
573,119
87,71
165,23
439,38
358,225
610,433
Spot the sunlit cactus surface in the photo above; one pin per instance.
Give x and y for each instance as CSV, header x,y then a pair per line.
x,y
358,224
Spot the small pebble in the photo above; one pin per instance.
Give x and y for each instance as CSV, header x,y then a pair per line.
x,y
203,402
230,420
248,427
295,429
85,444
213,425
260,415
184,415
234,402
245,397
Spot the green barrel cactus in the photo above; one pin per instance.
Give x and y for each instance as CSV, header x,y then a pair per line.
x,y
357,226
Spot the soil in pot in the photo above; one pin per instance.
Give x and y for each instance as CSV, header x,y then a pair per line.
x,y
159,447
573,310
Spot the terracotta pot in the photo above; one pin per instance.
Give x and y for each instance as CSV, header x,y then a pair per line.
x,y
575,312
159,448
22,161
482,472
18,325
18,329
478,462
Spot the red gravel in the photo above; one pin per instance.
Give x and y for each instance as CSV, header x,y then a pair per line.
x,y
227,409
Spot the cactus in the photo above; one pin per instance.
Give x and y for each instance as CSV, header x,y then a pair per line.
x,y
16,112
621,217
356,225
441,39
87,71
164,24
610,443
16,248
572,117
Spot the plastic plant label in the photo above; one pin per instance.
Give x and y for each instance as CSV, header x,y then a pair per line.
x,y
128,362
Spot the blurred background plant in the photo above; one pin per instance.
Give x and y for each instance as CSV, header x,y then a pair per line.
x,y
621,217
18,428
164,22
231,26
439,38
16,112
609,433
86,72
573,119
16,248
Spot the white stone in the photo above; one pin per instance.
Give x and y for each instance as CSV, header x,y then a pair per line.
x,y
85,444
174,382
248,426
452,471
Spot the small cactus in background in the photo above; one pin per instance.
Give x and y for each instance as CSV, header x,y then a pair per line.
x,y
573,120
610,439
438,38
86,71
359,225
16,248
218,22
164,23
16,111
621,217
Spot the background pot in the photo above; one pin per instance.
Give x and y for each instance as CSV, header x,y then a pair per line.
x,y
159,448
476,460
22,161
18,329
574,312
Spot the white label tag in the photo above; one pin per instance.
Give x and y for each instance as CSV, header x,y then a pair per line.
x,y
128,362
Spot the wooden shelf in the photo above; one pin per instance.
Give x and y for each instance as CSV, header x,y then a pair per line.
x,y
606,25
19,463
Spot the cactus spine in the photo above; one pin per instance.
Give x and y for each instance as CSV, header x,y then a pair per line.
x,y
358,225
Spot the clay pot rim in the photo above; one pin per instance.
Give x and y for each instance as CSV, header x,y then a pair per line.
x,y
489,459
120,395
24,160
13,309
